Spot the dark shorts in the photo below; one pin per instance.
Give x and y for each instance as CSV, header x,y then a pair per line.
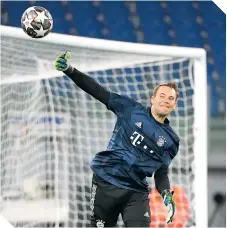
x,y
109,201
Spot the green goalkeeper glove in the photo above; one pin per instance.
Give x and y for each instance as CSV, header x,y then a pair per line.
x,y
170,204
62,62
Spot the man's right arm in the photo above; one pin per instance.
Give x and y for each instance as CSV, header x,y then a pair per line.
x,y
114,102
86,83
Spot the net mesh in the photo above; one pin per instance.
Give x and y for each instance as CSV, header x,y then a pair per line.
x,y
51,129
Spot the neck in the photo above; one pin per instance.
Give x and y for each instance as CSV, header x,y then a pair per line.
x,y
158,117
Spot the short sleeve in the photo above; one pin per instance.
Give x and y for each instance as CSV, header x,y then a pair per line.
x,y
120,103
170,154
167,159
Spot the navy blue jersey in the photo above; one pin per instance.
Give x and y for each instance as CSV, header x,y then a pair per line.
x,y
139,146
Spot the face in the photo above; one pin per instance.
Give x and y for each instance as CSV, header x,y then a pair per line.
x,y
164,101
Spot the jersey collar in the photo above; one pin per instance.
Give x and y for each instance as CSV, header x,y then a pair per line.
x,y
166,121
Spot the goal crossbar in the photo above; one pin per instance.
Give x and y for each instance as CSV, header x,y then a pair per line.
x,y
109,45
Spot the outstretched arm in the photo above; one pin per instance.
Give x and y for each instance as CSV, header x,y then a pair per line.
x,y
114,102
86,83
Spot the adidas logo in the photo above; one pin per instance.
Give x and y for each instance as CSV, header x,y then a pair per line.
x,y
146,215
138,124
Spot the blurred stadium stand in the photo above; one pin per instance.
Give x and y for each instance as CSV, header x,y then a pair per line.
x,y
166,23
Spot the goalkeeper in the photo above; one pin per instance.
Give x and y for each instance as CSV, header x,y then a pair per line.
x,y
142,145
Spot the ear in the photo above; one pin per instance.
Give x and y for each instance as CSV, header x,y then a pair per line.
x,y
175,105
152,100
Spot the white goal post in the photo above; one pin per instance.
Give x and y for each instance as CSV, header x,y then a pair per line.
x,y
40,109
4,223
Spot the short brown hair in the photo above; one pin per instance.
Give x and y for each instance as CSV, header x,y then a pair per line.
x,y
168,84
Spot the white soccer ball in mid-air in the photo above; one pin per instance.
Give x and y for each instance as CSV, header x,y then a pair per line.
x,y
36,22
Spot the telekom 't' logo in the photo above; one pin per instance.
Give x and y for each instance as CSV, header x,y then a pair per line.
x,y
136,138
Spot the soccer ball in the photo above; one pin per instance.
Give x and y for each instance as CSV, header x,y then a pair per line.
x,y
36,22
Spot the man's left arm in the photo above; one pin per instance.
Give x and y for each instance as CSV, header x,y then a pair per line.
x,y
163,186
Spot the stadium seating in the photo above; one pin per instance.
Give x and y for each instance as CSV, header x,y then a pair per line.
x,y
167,23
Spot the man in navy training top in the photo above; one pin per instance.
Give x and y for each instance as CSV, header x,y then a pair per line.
x,y
142,144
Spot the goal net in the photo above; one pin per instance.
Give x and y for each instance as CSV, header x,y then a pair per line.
x,y
51,129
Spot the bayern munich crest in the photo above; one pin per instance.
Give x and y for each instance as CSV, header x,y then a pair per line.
x,y
161,141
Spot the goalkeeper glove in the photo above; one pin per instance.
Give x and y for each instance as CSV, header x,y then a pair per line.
x,y
170,204
62,62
